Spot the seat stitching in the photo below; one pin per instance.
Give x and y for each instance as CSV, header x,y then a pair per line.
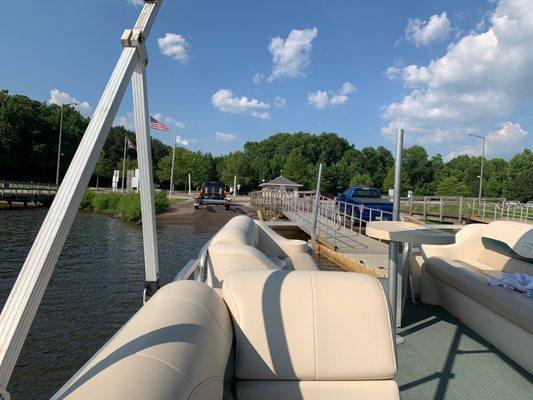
x,y
203,308
167,364
203,383
314,323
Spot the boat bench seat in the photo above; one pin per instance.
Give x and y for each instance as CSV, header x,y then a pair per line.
x,y
247,244
472,281
177,346
456,278
294,340
288,335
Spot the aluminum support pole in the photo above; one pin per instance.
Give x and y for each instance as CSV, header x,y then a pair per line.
x,y
171,188
315,209
124,160
190,193
146,182
59,145
20,308
393,246
234,186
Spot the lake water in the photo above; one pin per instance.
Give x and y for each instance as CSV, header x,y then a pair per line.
x,y
95,288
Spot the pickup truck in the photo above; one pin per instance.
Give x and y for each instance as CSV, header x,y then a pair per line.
x,y
365,203
214,194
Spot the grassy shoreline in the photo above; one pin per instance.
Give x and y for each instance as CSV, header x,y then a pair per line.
x,y
120,205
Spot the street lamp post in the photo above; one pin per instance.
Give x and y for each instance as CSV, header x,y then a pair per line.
x,y
60,137
482,159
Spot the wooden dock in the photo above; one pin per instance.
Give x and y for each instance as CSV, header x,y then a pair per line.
x,y
23,194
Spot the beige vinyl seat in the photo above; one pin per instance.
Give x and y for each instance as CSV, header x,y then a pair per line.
x,y
293,340
245,244
456,278
296,341
177,346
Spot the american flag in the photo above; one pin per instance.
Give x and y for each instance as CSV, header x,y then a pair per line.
x,y
158,126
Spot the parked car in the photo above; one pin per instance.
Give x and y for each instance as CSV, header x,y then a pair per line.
x,y
213,193
364,203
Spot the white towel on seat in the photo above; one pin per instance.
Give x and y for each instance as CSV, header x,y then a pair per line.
x,y
521,282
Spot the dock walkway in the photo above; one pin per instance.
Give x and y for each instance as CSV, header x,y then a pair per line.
x,y
340,232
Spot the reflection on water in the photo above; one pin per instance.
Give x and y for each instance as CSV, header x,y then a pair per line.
x,y
95,288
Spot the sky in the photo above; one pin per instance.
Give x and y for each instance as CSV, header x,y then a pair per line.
x,y
222,73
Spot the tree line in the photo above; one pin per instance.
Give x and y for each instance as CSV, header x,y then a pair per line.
x,y
28,151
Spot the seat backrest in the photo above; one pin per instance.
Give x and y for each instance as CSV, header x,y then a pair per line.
x,y
508,247
238,230
177,346
309,326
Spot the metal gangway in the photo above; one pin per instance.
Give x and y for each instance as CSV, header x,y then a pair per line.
x,y
338,225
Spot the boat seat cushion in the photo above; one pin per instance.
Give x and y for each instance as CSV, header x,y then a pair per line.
x,y
238,230
177,346
310,326
227,258
471,280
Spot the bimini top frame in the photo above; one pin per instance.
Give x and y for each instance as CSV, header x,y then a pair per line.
x,y
25,297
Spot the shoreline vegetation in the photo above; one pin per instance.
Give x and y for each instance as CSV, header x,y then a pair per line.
x,y
125,206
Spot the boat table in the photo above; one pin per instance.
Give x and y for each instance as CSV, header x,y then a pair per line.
x,y
412,234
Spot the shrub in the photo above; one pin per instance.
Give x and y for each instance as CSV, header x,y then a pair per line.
x,y
87,200
123,205
161,202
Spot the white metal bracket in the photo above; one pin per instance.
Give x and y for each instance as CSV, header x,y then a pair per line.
x,y
135,38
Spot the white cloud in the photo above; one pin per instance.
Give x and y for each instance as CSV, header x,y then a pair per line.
x,y
279,101
504,141
225,137
474,87
260,115
347,88
257,78
321,99
225,101
58,97
175,46
169,121
318,100
127,121
291,56
424,32
136,2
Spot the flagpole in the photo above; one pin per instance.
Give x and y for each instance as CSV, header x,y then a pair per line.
x,y
124,159
172,168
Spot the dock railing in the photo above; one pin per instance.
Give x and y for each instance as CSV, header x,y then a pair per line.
x,y
26,192
459,209
332,214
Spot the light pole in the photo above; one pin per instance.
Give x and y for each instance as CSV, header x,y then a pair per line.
x,y
482,159
60,135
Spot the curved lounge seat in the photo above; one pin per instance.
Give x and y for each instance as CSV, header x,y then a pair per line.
x,y
245,244
177,346
455,277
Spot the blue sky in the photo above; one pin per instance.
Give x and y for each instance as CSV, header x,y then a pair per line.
x,y
440,69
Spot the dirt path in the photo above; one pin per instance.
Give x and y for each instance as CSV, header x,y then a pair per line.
x,y
184,213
